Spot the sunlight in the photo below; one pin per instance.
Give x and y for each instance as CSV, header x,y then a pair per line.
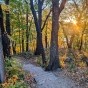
x,y
71,20
74,22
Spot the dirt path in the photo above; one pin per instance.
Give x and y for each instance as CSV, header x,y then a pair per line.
x,y
45,79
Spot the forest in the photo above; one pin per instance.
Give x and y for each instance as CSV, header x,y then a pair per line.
x,y
51,34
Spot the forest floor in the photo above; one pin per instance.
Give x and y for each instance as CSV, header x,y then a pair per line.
x,y
62,78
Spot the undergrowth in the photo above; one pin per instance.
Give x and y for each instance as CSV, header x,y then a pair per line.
x,y
75,55
14,75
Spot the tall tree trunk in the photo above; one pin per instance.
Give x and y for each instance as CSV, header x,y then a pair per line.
x,y
68,41
19,32
54,58
46,36
19,41
40,49
8,24
7,19
5,39
81,41
2,67
46,40
14,47
27,34
13,42
22,42
38,18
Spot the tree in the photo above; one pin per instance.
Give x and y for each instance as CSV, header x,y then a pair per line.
x,y
69,33
54,59
8,24
5,39
46,36
73,23
38,24
7,18
2,68
27,34
28,27
81,19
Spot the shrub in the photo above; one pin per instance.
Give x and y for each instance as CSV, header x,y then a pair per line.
x,y
14,75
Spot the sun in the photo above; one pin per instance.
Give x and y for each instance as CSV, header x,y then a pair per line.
x,y
74,22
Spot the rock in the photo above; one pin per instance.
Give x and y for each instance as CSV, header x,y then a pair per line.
x,y
68,60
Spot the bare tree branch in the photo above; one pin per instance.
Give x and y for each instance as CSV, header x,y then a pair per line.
x,y
62,5
33,11
46,19
78,9
76,6
26,2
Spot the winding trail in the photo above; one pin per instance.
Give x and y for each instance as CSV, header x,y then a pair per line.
x,y
45,79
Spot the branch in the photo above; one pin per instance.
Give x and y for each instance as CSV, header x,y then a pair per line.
x,y
42,1
62,5
80,11
83,9
33,10
26,2
46,19
65,35
76,6
45,6
30,25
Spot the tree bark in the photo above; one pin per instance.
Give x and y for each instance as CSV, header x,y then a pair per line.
x,y
14,47
39,20
46,41
2,67
27,34
39,48
7,19
81,41
54,58
22,42
19,32
8,24
71,42
68,41
5,39
46,37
